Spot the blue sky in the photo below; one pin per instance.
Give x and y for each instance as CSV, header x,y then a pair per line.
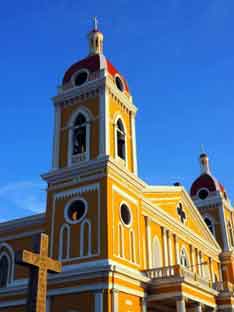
x,y
178,58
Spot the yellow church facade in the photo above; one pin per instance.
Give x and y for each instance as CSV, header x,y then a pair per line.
x,y
124,245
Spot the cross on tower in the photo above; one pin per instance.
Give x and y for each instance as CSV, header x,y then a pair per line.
x,y
40,264
95,22
181,213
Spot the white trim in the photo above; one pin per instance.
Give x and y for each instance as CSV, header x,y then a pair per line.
x,y
11,258
20,235
118,116
98,301
165,250
115,299
12,303
156,253
124,194
82,241
130,212
184,254
68,204
104,131
134,148
148,239
62,241
89,117
73,78
9,267
120,241
211,219
73,192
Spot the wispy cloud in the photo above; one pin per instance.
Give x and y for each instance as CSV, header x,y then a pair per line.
x,y
21,197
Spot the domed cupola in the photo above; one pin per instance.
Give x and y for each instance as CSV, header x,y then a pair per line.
x,y
211,200
93,67
206,184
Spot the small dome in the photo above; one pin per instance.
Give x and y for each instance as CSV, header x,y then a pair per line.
x,y
206,181
93,64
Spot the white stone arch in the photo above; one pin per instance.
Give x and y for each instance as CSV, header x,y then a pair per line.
x,y
212,223
156,253
117,117
89,117
132,245
184,259
6,249
120,240
85,223
65,231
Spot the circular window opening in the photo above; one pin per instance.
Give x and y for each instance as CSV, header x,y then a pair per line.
x,y
81,78
76,211
203,194
119,83
125,214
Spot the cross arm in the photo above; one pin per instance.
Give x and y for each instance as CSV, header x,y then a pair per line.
x,y
53,265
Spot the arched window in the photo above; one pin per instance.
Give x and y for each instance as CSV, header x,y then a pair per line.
x,y
64,242
4,270
210,224
120,140
156,253
184,258
79,135
7,265
230,233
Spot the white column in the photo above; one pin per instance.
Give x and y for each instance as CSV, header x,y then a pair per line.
x,y
134,150
211,270
56,136
99,301
192,258
198,262
198,308
149,241
180,305
104,123
143,305
170,258
165,251
177,252
115,300
201,264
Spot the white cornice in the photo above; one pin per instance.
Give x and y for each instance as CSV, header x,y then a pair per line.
x,y
90,90
27,221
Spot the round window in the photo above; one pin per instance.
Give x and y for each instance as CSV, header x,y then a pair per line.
x,y
76,211
125,214
203,194
81,78
119,83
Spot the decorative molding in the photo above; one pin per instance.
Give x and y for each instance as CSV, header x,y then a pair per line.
x,y
27,221
77,191
74,192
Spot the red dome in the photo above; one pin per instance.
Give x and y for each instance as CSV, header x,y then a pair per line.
x,y
206,181
93,64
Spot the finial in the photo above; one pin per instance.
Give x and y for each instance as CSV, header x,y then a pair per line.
x,y
202,149
95,23
204,161
95,38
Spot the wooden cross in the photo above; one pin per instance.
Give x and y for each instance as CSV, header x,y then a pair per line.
x,y
39,264
181,213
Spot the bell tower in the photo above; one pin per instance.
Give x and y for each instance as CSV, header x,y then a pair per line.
x,y
94,112
94,133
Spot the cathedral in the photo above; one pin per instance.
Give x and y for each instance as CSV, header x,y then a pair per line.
x,y
124,245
